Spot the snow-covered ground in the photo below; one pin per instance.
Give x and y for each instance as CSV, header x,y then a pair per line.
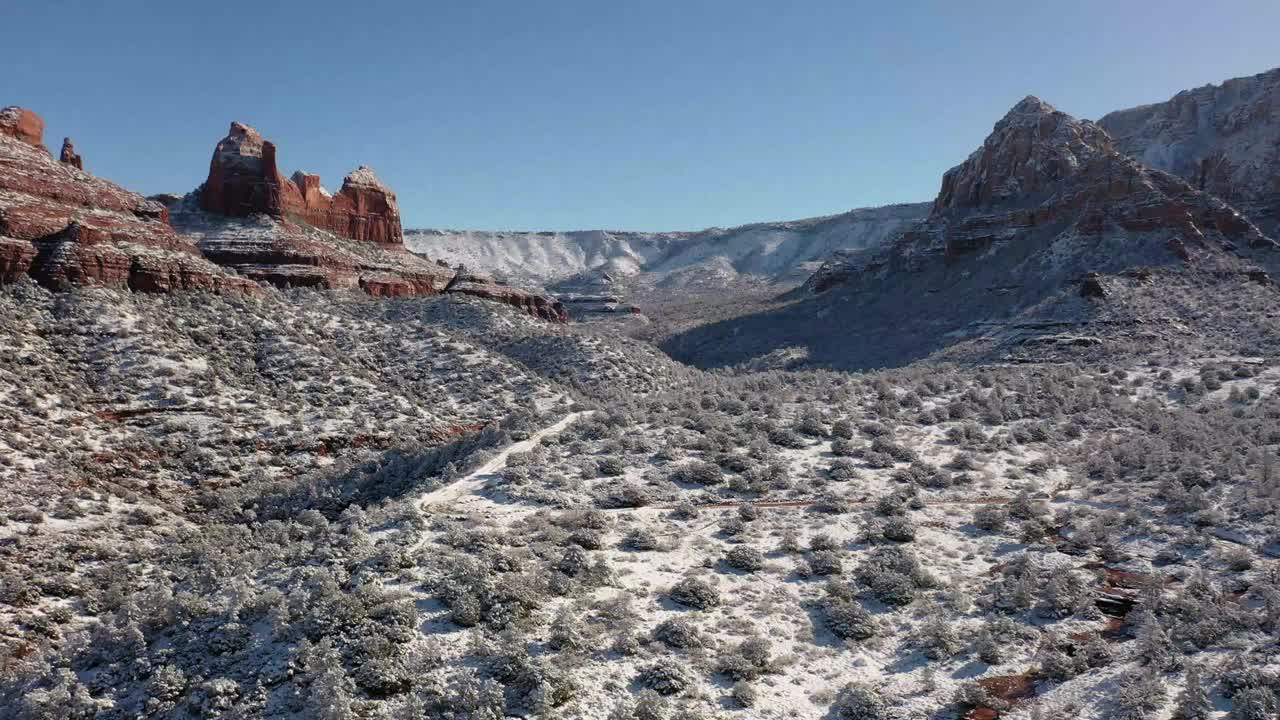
x,y
780,250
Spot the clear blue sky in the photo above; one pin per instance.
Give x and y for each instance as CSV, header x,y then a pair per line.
x,y
565,114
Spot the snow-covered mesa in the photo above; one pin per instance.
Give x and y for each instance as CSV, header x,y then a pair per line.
x,y
778,251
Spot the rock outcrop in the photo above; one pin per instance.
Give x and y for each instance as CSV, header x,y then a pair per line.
x,y
69,155
292,233
22,125
478,285
63,227
244,180
1222,139
289,254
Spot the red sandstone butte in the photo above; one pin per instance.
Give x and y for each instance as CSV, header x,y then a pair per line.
x,y
244,180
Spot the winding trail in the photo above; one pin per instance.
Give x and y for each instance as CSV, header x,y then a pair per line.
x,y
469,488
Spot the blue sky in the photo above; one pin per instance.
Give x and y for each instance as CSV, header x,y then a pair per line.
x,y
567,114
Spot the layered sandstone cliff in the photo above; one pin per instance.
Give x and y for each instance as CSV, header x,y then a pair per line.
x,y
64,227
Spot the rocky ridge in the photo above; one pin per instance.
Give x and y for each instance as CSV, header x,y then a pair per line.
x,y
1055,192
1046,231
62,226
779,252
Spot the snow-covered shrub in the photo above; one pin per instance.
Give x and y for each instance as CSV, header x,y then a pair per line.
x,y
843,470
745,558
698,472
825,562
677,632
938,637
847,619
641,539
898,529
748,661
1254,704
667,676
695,593
991,518
893,575
859,701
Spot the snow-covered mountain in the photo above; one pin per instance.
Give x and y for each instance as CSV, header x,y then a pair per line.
x,y
777,251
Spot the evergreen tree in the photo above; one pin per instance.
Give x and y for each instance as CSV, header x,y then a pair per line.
x,y
1193,701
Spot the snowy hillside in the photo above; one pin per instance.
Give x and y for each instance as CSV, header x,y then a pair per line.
x,y
777,251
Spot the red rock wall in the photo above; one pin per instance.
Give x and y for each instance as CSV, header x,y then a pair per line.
x,y
62,226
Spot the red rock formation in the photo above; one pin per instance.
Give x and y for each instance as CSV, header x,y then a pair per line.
x,y
285,253
481,286
22,124
1222,139
244,179
291,233
62,226
69,155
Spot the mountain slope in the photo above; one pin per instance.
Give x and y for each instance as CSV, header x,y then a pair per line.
x,y
1223,139
775,251
1046,229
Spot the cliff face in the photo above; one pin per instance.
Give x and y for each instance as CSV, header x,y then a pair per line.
x,y
1222,139
244,180
482,286
63,227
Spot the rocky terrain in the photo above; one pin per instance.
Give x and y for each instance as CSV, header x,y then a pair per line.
x,y
246,225
1011,455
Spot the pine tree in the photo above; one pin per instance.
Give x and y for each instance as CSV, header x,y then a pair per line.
x,y
1154,646
1193,701
1141,695
329,695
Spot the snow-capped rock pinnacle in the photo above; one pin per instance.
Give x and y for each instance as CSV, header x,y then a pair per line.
x,y
244,179
1030,148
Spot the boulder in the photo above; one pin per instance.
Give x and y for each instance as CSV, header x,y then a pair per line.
x,y
23,125
1091,286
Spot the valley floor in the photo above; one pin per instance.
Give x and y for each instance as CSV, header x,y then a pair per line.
x,y
504,519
